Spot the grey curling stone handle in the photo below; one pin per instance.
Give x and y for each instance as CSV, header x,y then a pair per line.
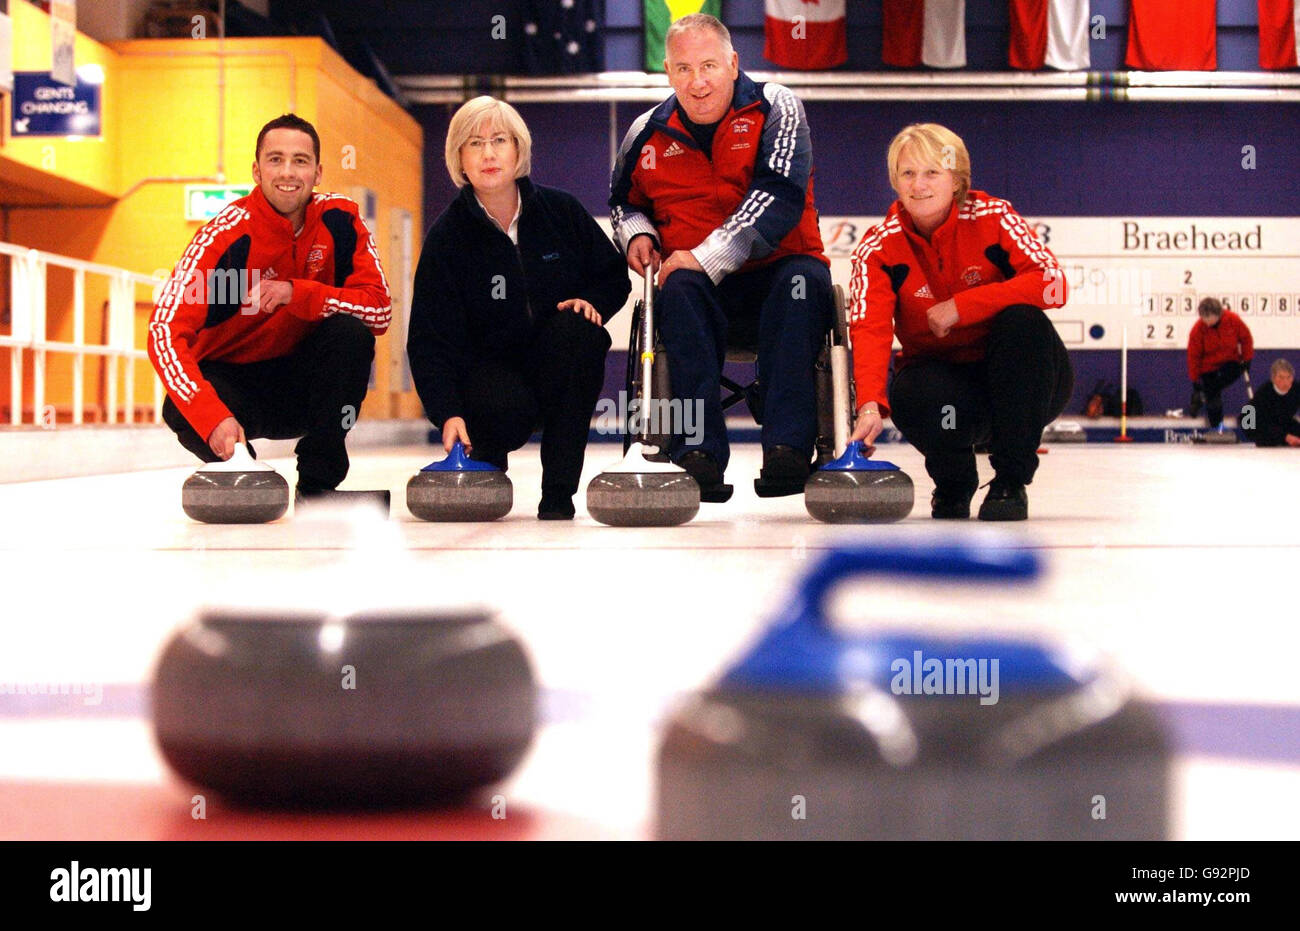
x,y
303,710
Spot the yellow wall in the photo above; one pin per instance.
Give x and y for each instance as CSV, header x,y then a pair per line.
x,y
83,170
160,104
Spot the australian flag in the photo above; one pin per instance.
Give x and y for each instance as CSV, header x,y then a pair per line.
x,y
563,36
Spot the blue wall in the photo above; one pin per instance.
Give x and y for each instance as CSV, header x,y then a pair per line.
x,y
986,34
1070,159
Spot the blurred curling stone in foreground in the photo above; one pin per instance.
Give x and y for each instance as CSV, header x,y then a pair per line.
x,y
366,711
819,735
338,686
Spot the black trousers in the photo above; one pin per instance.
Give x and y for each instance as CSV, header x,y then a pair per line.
x,y
315,393
1212,384
556,387
1005,400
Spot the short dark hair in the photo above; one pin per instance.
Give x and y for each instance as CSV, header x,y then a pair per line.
x,y
288,121
1210,306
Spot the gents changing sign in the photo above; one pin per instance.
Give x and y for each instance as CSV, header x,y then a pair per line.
x,y
43,107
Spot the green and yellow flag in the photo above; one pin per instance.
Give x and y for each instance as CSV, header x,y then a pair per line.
x,y
660,14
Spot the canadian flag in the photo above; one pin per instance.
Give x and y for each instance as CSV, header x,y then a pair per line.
x,y
1279,29
1049,34
934,35
1171,35
806,34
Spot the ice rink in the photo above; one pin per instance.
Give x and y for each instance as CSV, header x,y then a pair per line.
x,y
1175,560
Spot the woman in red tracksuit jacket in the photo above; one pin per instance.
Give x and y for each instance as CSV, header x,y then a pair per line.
x,y
961,280
1219,349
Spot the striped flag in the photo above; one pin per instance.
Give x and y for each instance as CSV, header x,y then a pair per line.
x,y
806,34
1171,35
660,14
1049,34
933,36
1279,29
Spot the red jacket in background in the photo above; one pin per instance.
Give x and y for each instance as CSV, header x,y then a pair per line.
x,y
200,312
984,256
1209,347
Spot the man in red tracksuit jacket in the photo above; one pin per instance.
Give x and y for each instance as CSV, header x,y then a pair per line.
x,y
717,182
267,325
1218,351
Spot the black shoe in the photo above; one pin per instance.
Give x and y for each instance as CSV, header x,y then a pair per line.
x,y
704,469
308,496
1196,403
556,505
1006,500
950,505
784,472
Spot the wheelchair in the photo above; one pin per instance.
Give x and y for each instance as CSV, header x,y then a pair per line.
x,y
833,374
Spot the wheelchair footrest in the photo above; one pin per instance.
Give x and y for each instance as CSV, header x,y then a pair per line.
x,y
778,488
716,494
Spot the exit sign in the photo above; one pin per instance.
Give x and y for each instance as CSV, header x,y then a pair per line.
x,y
205,201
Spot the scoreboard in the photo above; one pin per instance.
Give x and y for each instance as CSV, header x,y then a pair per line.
x,y
1149,274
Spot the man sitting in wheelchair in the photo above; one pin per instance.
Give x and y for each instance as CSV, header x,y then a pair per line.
x,y
713,189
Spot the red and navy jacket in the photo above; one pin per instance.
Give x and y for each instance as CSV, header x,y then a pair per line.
x,y
199,314
1212,346
984,256
749,204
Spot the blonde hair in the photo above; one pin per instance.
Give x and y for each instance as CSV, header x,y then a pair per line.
x,y
477,114
934,145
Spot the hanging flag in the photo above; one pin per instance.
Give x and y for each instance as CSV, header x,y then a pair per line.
x,y
1279,29
660,14
1049,34
1171,35
563,36
933,36
809,35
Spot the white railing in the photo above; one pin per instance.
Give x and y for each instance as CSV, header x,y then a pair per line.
x,y
27,270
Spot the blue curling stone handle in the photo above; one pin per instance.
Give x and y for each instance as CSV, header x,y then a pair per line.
x,y
458,461
855,460
801,652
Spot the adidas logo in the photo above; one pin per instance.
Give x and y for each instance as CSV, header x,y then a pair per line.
x,y
674,149
925,292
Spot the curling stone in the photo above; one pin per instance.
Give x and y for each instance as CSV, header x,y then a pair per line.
x,y
240,490
459,488
636,492
1064,431
369,711
856,490
907,736
1219,436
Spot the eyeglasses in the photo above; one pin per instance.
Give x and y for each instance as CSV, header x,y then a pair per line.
x,y
499,141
